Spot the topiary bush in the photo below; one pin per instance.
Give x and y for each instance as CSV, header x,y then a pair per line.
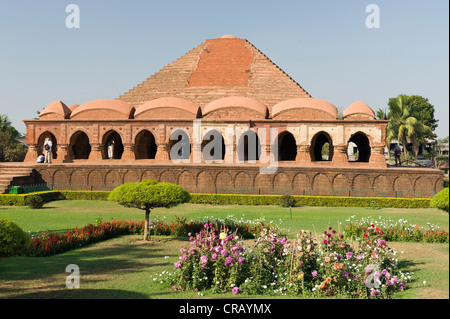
x,y
147,195
440,200
34,201
13,240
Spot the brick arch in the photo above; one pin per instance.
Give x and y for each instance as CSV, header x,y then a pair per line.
x,y
361,181
186,179
46,175
131,177
95,177
60,177
118,148
382,182
205,182
223,181
79,149
243,179
317,142
168,176
320,180
79,177
423,184
149,174
113,178
282,180
401,180
301,180
263,181
340,182
41,140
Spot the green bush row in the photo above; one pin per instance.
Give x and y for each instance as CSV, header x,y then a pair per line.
x,y
231,199
327,201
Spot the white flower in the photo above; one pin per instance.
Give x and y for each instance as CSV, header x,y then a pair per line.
x,y
424,282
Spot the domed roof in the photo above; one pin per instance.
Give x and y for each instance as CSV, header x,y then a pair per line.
x,y
55,110
358,107
236,102
158,108
103,109
228,36
73,107
305,103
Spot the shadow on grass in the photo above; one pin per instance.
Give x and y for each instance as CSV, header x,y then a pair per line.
x,y
45,277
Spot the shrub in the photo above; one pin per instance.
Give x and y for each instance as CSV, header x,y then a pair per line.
x,y
287,201
13,240
147,195
440,200
34,201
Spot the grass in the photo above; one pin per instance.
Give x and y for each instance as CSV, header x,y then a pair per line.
x,y
122,267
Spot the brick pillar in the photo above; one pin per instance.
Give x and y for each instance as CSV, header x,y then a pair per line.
x,y
129,154
96,153
340,155
377,157
303,155
162,154
196,153
31,154
63,154
230,151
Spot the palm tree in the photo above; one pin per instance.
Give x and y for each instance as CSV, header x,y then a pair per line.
x,y
402,125
381,114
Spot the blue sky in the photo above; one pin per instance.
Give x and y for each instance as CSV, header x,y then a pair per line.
x,y
323,45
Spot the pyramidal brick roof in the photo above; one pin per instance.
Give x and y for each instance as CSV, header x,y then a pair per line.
x,y
215,69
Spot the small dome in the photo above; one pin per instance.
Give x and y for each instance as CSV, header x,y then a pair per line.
x,y
103,109
305,108
55,110
257,108
228,36
358,109
73,107
167,108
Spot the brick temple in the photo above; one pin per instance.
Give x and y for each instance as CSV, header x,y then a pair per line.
x,y
227,91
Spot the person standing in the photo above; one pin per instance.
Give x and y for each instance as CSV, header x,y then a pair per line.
x,y
397,153
111,148
48,150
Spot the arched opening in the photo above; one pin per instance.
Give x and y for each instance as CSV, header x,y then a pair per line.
x,y
79,147
213,146
358,148
179,147
321,147
145,144
40,144
249,147
112,145
287,147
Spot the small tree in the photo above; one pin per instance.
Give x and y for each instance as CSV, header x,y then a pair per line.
x,y
147,195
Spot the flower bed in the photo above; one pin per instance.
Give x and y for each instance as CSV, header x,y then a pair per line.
x,y
399,230
217,261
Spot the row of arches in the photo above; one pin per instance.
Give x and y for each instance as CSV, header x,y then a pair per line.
x,y
248,147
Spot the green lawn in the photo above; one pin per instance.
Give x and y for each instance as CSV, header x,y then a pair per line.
x,y
122,267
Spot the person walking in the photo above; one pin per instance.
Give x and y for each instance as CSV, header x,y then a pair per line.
x,y
48,150
111,148
397,153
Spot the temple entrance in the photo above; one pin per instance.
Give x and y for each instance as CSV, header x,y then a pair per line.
x,y
112,145
41,141
358,148
287,147
249,147
179,146
145,145
321,147
79,147
213,146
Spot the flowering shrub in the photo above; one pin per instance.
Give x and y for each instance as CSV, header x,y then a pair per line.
x,y
396,231
47,244
218,261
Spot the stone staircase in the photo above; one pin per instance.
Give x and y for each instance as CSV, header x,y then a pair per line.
x,y
9,175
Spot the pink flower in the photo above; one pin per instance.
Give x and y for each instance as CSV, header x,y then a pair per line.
x,y
374,292
241,260
204,259
314,273
214,256
184,257
178,264
236,290
349,255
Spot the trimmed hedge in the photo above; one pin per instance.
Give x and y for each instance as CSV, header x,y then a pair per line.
x,y
440,200
327,201
231,199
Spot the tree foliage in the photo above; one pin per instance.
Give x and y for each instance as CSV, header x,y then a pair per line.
x,y
147,195
11,150
405,122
